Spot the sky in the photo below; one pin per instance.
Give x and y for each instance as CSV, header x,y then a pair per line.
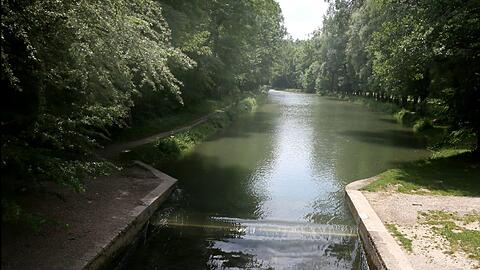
x,y
302,17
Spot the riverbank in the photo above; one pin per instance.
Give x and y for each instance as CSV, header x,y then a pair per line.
x,y
173,146
70,230
438,134
413,199
424,231
433,205
85,230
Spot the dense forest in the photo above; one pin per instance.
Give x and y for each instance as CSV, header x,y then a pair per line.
x,y
74,71
421,55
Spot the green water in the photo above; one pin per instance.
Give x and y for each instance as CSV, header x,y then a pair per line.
x,y
268,192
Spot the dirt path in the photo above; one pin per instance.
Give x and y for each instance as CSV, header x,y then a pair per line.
x,y
429,250
110,151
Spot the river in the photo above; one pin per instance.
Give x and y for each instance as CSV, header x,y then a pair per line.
x,y
268,191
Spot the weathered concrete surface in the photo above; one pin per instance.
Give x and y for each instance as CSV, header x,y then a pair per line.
x,y
380,247
139,217
430,251
102,221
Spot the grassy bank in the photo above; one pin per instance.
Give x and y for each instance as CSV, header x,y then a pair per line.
x,y
432,124
447,172
452,168
171,121
177,145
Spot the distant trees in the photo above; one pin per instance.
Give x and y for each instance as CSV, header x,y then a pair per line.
x,y
236,39
409,52
71,70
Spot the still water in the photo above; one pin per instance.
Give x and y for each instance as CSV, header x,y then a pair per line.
x,y
268,192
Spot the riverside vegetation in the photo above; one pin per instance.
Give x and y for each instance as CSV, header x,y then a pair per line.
x,y
421,56
418,61
77,74
177,145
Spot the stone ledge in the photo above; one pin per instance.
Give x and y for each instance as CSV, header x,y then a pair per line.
x,y
381,249
140,216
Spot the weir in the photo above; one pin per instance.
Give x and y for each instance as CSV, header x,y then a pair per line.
x,y
268,191
266,229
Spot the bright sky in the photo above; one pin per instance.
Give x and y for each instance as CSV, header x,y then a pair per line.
x,y
302,17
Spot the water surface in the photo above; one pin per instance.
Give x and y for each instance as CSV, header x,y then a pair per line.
x,y
268,192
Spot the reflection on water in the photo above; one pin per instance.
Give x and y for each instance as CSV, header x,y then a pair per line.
x,y
245,244
279,176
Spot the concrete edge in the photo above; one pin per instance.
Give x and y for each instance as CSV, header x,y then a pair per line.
x,y
380,247
141,215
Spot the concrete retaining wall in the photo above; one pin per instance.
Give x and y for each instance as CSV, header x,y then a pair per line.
x,y
140,216
380,247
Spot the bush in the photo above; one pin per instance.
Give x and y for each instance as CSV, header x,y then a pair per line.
x,y
247,104
170,146
422,125
175,146
406,117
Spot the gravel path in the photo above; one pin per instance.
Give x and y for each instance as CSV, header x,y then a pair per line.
x,y
430,251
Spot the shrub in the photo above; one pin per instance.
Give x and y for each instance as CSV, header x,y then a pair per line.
x,y
169,146
406,117
422,125
247,104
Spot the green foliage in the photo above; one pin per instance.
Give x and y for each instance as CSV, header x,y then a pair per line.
x,y
452,172
406,117
422,56
386,107
233,43
247,104
175,146
73,71
186,114
422,125
76,71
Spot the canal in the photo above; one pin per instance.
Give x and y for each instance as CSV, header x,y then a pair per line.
x,y
268,192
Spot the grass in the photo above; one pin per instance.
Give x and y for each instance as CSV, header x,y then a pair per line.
x,y
451,226
374,105
174,120
175,146
406,117
448,172
404,241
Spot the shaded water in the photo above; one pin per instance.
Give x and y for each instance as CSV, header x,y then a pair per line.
x,y
268,192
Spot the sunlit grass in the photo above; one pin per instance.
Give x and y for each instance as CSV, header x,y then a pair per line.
x,y
448,172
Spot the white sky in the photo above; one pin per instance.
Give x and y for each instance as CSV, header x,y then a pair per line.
x,y
302,17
